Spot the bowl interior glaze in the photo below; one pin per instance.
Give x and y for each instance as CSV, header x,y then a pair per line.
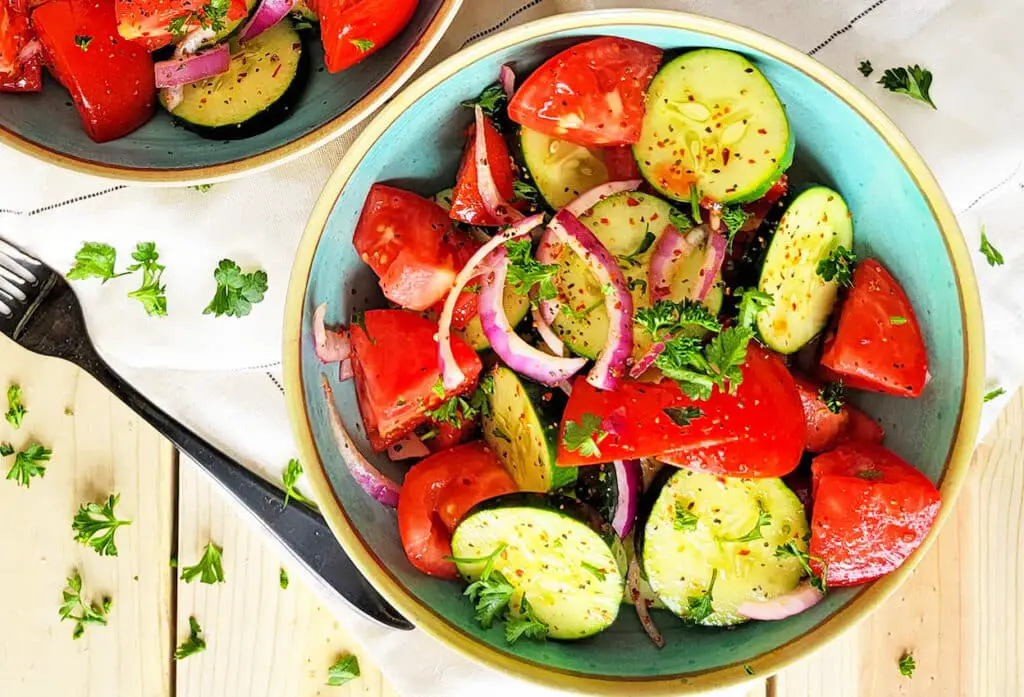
x,y
835,145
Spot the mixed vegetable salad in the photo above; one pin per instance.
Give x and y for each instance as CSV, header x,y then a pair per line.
x,y
225,69
618,351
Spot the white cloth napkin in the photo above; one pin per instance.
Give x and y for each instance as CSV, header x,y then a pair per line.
x,y
221,376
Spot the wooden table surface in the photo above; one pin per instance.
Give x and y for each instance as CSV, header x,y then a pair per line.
x,y
960,614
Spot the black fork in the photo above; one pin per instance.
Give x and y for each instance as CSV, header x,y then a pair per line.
x,y
40,312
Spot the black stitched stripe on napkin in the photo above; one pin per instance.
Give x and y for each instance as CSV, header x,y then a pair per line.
x,y
68,202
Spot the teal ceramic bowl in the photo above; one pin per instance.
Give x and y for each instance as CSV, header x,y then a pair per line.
x,y
46,125
900,217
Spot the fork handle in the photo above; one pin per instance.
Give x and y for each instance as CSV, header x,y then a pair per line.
x,y
299,528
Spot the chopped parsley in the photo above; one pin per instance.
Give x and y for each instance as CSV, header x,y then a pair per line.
x,y
599,574
201,188
194,644
838,266
637,283
81,612
525,272
700,606
913,81
645,244
491,595
209,568
747,669
525,191
523,623
752,302
790,549
869,475
680,220
83,41
28,464
695,203
685,519
491,100
907,664
359,320
344,670
282,579
584,436
865,68
364,45
210,16
6,449
95,525
666,318
763,518
236,292
993,394
682,416
458,410
833,394
992,255
15,409
897,320
438,387
734,218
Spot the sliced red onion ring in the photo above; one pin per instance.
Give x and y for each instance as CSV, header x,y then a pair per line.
x,y
452,375
647,360
29,51
672,248
331,346
712,265
186,70
510,347
496,206
508,81
565,387
269,13
408,448
780,607
377,485
551,339
640,602
629,481
345,371
610,367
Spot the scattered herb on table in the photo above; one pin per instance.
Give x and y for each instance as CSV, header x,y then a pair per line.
x,y
865,68
283,579
95,525
151,293
345,669
992,255
907,664
194,644
993,394
81,612
15,408
6,449
95,260
28,464
291,475
236,292
209,569
913,81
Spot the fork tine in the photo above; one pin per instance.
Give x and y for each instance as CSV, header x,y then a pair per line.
x,y
9,283
18,262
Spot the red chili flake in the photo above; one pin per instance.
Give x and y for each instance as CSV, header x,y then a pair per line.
x,y
276,70
604,221
632,202
762,131
725,156
744,552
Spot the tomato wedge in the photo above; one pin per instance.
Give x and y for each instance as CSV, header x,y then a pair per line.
x,y
148,22
877,345
861,428
394,361
758,432
449,436
17,75
592,93
871,511
467,205
353,29
436,493
411,244
112,82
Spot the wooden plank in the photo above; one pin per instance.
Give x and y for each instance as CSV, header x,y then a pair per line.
x,y
103,448
262,641
959,613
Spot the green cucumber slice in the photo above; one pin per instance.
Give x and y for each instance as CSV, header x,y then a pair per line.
x,y
621,222
301,9
814,224
521,427
713,119
560,170
691,532
559,554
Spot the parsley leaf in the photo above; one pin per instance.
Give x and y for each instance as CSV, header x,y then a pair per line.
x,y
194,644
16,410
598,573
907,664
763,518
236,292
283,579
683,360
913,81
490,595
683,416
364,45
95,525
752,301
438,387
838,266
897,320
645,244
865,68
833,394
992,255
83,613
290,478
202,188
151,294
525,191
83,41
458,410
209,568
989,396
685,519
6,449
524,624
584,436
680,220
726,354
345,669
211,16
734,218
525,272
700,606
790,549
28,464
666,317
491,100
94,260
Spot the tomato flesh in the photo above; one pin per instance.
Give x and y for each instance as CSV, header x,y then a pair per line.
x,y
147,22
877,345
17,75
823,425
353,29
592,93
467,204
112,82
758,432
436,493
395,366
411,244
871,511
621,164
448,436
861,428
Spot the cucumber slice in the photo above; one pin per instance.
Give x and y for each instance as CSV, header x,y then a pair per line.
x,y
561,170
713,119
560,555
301,9
621,222
691,532
521,427
816,222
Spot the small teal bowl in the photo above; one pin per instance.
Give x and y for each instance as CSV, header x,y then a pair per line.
x,y
46,125
900,217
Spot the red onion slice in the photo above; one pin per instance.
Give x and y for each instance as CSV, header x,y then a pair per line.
x,y
452,376
610,367
496,206
408,448
189,69
29,51
672,248
615,422
509,346
629,478
647,360
269,13
345,371
508,81
640,602
712,265
551,339
377,485
331,346
780,607
186,47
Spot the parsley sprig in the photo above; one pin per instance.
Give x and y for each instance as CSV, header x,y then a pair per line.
x,y
28,464
913,81
989,396
838,266
81,612
458,410
95,260
210,16
209,568
734,218
290,478
665,318
763,518
907,664
194,644
236,292
584,436
491,595
95,525
525,272
992,255
865,68
790,549
151,293
15,409
700,607
685,519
